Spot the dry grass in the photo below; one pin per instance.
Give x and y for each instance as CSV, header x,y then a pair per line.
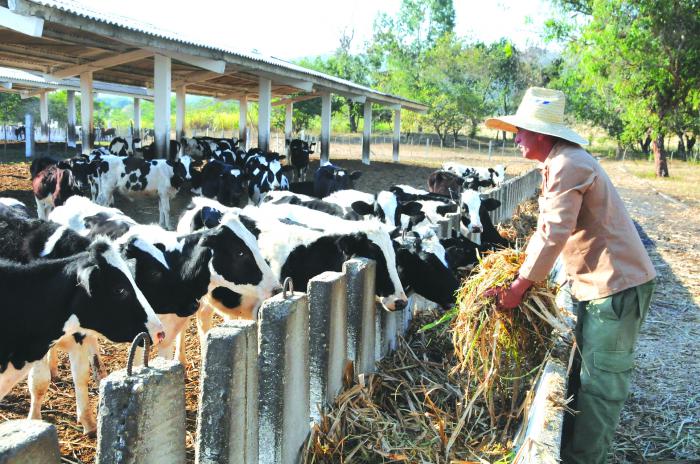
x,y
682,184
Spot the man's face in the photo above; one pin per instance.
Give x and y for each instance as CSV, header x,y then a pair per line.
x,y
533,145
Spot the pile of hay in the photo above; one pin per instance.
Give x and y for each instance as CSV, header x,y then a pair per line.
x,y
519,228
451,392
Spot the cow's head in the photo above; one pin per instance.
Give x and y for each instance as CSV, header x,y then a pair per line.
x,y
471,203
108,299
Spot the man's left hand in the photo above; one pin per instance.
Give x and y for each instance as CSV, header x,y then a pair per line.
x,y
511,297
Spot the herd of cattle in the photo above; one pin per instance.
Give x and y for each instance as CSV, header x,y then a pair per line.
x,y
84,268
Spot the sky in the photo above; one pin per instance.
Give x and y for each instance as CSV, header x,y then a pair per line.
x,y
291,29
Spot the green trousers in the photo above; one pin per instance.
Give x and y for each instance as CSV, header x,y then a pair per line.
x,y
606,334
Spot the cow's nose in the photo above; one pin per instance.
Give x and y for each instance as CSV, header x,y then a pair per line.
x,y
160,336
399,304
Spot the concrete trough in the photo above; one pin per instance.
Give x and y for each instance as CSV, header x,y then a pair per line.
x,y
361,327
27,441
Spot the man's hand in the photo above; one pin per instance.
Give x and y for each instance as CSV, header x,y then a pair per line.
x,y
511,297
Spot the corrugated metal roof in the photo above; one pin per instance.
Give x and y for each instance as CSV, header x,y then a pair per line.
x,y
35,80
79,8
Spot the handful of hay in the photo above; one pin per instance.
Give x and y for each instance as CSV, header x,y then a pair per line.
x,y
501,349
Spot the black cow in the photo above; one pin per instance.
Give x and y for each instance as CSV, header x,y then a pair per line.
x,y
330,178
299,151
21,133
224,182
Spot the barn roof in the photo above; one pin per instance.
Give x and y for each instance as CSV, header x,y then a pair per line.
x,y
75,35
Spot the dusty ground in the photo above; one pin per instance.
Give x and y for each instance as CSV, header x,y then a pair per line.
x,y
661,420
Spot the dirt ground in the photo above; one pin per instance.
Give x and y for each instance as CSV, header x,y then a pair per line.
x,y
661,419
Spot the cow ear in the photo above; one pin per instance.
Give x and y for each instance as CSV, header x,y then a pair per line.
x,y
362,208
411,208
283,157
490,204
355,175
444,209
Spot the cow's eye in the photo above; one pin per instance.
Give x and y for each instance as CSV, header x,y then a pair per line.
x,y
121,293
240,254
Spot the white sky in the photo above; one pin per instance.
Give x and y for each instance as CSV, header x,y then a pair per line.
x,y
290,29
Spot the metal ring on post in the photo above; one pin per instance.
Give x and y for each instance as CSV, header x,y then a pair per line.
x,y
287,284
132,351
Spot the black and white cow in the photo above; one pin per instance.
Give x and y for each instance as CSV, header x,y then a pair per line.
x,y
224,182
282,197
299,151
89,292
148,152
119,146
480,177
384,207
265,173
51,184
330,178
20,133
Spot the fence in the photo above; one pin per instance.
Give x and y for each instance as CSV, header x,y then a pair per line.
x,y
262,382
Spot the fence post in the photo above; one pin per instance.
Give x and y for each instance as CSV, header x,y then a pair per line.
x,y
27,441
490,148
361,274
328,312
389,326
28,136
142,417
283,378
227,419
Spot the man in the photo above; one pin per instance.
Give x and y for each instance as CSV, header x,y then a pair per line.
x,y
583,219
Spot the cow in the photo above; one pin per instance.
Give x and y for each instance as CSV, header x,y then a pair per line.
x,y
384,207
107,134
330,178
13,208
90,292
148,152
51,184
448,184
480,177
299,151
224,182
132,176
265,173
119,146
20,133
207,147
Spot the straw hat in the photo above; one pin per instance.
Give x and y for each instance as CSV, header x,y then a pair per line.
x,y
541,111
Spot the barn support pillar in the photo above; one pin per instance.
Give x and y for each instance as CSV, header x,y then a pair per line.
x,y
242,121
28,136
161,102
137,117
70,130
264,109
366,132
44,113
87,135
361,313
180,96
288,125
325,127
397,134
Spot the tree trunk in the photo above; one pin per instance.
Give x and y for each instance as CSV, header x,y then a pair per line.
x,y
660,157
689,143
644,144
681,147
352,116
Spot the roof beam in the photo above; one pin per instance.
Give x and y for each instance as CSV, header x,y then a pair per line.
x,y
284,101
28,25
300,84
24,94
196,76
114,60
6,85
217,66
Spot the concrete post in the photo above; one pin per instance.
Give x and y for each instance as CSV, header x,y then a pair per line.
x,y
86,108
288,119
390,326
27,441
70,102
44,113
28,136
325,127
161,104
142,417
264,110
137,117
242,121
328,345
454,219
180,109
283,366
361,313
366,132
397,135
227,420
444,228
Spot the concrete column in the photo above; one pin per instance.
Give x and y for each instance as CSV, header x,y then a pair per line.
x,y
142,417
389,327
161,102
227,420
283,366
87,126
264,110
325,127
137,117
366,132
397,135
27,441
328,345
454,222
445,228
44,113
28,136
180,96
361,313
288,118
242,121
70,102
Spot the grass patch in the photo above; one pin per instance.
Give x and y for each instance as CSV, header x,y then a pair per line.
x,y
682,183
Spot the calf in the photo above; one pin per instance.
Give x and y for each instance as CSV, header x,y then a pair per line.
x,y
447,184
89,292
224,182
265,173
385,207
330,178
299,151
51,184
479,177
119,146
20,133
149,151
